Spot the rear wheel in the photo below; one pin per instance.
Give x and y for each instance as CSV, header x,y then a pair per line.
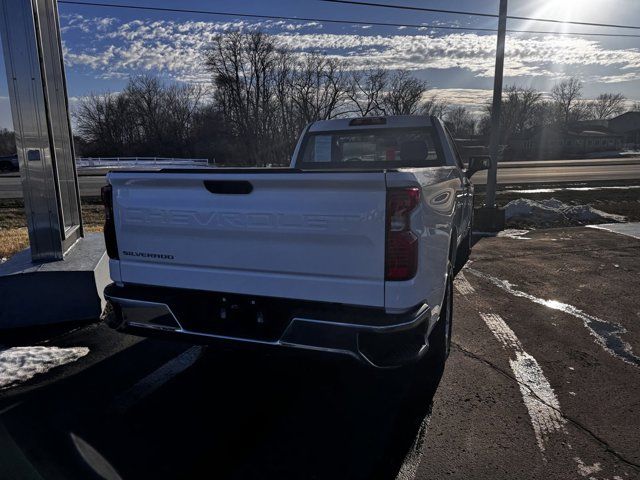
x,y
463,253
440,337
423,376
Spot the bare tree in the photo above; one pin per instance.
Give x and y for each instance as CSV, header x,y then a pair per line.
x,y
146,118
319,88
7,142
519,112
566,95
607,105
519,108
434,106
263,94
460,122
404,95
367,91
245,69
547,113
106,122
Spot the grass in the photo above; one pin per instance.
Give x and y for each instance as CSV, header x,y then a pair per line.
x,y
14,235
13,240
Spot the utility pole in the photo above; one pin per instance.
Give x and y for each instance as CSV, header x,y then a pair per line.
x,y
492,177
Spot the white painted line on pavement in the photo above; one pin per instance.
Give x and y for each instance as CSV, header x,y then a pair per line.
x,y
19,364
10,407
630,229
538,396
607,334
157,378
585,470
462,284
514,233
508,233
94,459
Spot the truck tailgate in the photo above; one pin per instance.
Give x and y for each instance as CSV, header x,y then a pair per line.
x,y
299,235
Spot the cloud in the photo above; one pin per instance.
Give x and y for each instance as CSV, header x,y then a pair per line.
x,y
624,77
113,48
473,98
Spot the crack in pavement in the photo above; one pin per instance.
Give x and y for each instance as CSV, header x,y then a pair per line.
x,y
574,422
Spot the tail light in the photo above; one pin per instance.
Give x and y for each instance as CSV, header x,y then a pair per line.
x,y
109,223
401,258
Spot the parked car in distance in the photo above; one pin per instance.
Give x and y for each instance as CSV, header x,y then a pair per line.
x,y
9,163
351,250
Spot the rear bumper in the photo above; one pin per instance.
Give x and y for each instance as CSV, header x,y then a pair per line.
x,y
367,335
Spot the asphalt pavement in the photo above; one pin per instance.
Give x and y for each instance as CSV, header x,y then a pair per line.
x,y
558,171
543,382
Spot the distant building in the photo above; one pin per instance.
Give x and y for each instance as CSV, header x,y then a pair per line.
x,y
627,125
575,141
9,163
578,140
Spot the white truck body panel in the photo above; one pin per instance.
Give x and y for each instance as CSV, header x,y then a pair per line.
x,y
432,222
307,236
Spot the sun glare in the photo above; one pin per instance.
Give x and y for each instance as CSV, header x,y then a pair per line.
x,y
568,9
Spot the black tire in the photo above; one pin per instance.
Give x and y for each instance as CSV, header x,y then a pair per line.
x,y
463,253
423,375
440,337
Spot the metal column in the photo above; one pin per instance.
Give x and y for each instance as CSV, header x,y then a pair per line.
x,y
492,178
40,108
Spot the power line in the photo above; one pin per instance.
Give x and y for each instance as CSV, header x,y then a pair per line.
x,y
408,7
480,14
271,17
335,21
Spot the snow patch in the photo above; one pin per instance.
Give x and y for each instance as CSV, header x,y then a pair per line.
x,y
554,212
19,364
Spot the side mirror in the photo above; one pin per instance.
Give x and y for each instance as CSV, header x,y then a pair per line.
x,y
481,162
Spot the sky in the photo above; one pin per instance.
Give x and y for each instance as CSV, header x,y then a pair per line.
x,y
105,46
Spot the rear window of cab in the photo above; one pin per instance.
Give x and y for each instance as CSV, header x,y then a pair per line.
x,y
382,147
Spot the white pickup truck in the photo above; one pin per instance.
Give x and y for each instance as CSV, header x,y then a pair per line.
x,y
351,250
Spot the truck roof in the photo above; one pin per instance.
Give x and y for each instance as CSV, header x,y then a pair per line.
x,y
391,121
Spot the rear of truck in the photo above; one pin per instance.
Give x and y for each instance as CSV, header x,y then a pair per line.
x,y
345,260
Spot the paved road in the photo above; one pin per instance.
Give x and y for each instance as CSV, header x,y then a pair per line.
x,y
533,389
561,174
568,171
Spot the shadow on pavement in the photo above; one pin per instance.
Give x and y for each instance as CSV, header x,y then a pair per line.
x,y
231,415
34,335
